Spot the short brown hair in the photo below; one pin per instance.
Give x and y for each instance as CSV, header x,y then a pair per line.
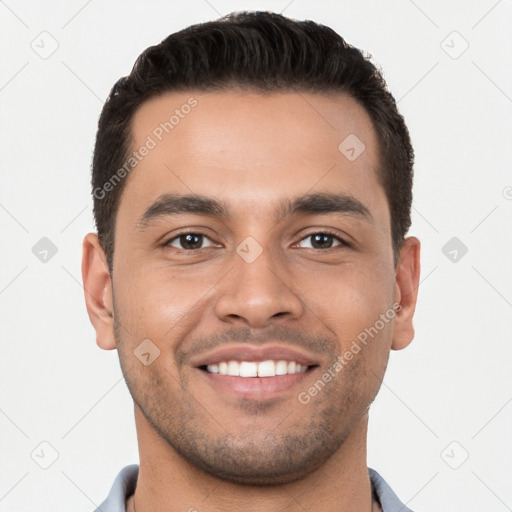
x,y
260,51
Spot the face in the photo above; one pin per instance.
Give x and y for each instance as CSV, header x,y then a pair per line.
x,y
252,251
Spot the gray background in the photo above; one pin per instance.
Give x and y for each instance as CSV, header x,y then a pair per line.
x,y
440,427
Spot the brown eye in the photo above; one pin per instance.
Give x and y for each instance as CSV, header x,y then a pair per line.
x,y
322,241
188,241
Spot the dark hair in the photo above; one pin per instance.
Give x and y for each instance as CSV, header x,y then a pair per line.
x,y
260,51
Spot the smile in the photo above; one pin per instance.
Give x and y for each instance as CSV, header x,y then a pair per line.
x,y
269,368
256,372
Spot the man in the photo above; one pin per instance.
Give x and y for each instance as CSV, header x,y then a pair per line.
x,y
252,189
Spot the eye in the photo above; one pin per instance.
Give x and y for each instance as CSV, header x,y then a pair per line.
x,y
189,241
322,241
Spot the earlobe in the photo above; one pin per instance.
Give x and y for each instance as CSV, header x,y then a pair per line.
x,y
98,291
406,292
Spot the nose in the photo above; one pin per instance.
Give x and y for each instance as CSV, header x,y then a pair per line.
x,y
257,292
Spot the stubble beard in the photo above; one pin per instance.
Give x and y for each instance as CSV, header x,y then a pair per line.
x,y
262,458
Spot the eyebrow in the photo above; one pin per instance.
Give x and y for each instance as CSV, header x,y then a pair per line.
x,y
309,204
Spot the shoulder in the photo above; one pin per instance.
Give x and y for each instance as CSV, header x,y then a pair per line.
x,y
122,488
389,501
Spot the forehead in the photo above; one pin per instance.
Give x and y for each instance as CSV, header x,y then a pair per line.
x,y
246,147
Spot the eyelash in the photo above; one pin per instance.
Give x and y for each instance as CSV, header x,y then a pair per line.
x,y
328,232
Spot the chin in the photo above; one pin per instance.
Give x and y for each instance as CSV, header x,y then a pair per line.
x,y
271,463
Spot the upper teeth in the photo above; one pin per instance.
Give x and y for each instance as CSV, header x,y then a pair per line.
x,y
256,369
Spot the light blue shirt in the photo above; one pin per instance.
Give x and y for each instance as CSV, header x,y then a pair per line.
x,y
124,487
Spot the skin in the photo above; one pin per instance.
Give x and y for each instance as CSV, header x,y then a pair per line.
x,y
210,450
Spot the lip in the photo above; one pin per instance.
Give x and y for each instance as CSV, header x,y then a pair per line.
x,y
255,388
254,354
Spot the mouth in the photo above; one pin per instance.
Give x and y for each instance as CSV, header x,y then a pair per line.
x,y
256,373
249,369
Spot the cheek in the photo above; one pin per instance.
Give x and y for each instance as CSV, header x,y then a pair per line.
x,y
351,303
160,303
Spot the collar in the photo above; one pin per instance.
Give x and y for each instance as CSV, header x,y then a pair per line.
x,y
385,500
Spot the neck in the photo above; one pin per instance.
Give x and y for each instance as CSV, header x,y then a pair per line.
x,y
168,482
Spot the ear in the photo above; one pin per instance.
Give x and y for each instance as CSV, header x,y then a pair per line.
x,y
98,291
406,292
